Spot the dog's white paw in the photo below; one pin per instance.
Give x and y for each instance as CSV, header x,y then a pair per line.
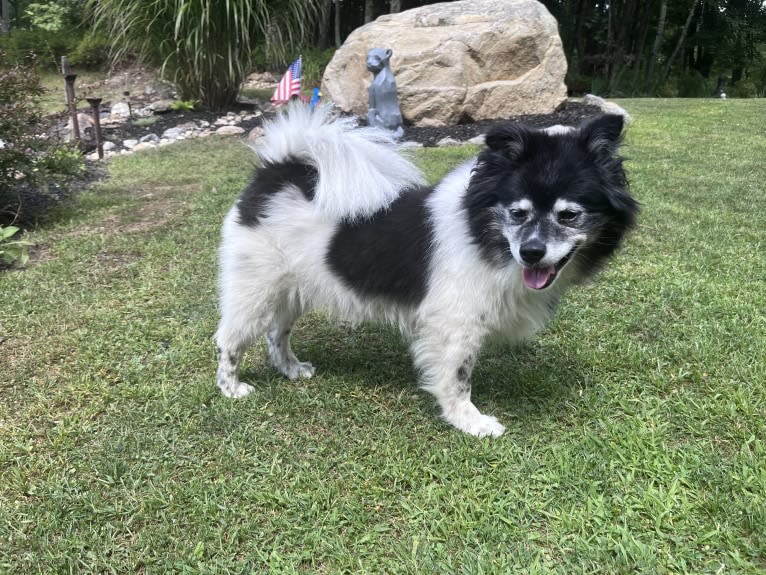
x,y
466,417
485,425
302,369
236,390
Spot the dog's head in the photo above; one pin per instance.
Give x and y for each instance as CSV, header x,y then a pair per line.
x,y
551,199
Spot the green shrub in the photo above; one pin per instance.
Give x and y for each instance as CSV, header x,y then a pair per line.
x,y
91,52
183,105
693,85
314,63
205,47
34,167
744,89
47,47
669,89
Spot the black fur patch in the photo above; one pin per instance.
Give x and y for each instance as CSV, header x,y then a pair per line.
x,y
270,179
582,166
388,254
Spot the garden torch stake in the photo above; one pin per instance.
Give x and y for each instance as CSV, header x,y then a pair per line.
x,y
94,104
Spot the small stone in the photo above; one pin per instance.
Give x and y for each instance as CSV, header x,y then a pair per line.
x,y
255,135
129,144
477,140
172,133
447,142
107,146
606,107
152,138
143,146
120,110
160,106
230,131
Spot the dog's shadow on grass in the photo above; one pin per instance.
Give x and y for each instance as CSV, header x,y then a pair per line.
x,y
516,380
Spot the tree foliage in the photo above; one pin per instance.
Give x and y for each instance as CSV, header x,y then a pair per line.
x,y
32,166
635,47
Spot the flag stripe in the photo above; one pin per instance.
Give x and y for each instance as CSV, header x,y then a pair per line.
x,y
290,84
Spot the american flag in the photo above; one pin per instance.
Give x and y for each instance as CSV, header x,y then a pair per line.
x,y
289,85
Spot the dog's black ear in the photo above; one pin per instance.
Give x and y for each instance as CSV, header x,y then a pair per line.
x,y
509,139
603,135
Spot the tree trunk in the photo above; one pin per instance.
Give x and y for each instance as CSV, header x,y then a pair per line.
x,y
656,45
5,17
369,9
337,23
323,30
639,52
580,37
680,43
609,40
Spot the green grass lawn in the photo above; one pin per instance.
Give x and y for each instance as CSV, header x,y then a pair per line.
x,y
636,437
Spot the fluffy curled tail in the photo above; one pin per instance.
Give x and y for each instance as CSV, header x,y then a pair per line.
x,y
361,170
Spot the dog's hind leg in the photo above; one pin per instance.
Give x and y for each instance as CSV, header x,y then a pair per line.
x,y
227,375
446,359
243,319
278,339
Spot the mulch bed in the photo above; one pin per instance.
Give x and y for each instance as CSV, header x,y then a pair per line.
x,y
568,114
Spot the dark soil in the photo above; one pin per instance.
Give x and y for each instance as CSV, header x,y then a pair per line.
x,y
567,114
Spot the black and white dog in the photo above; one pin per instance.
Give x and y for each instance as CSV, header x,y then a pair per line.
x,y
336,218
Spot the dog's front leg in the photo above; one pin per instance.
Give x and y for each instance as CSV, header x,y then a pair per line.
x,y
446,362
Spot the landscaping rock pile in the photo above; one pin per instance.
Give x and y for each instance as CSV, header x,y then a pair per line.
x,y
125,135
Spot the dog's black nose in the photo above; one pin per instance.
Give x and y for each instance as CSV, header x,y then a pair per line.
x,y
532,251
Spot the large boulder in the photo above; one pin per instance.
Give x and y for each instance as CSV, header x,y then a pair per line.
x,y
457,61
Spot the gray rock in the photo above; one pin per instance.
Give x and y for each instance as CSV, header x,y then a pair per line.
x,y
129,144
151,138
173,133
120,110
255,135
160,106
448,142
606,107
230,131
144,146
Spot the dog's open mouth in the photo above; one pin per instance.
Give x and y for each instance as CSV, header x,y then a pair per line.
x,y
541,278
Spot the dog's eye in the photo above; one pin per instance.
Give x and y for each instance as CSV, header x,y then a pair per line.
x,y
567,216
518,215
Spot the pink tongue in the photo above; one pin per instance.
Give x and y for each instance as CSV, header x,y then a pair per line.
x,y
537,278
